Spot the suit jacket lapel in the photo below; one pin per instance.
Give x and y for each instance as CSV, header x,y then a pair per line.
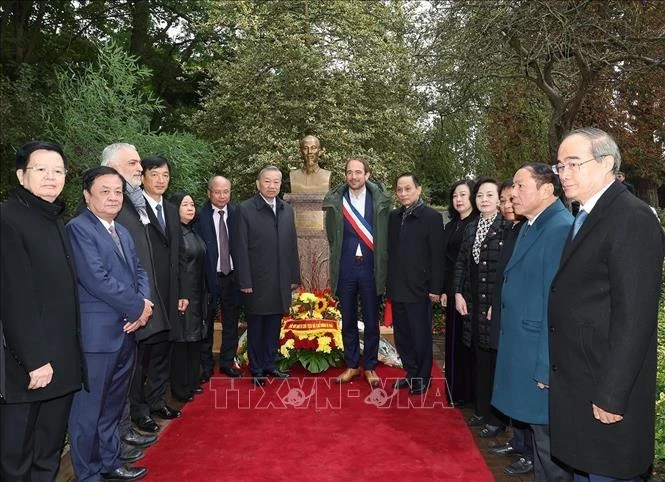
x,y
153,219
528,235
592,219
106,236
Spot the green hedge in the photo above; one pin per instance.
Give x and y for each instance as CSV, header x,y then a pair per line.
x,y
660,381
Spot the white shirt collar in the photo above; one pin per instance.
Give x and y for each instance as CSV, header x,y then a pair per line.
x,y
594,199
151,201
105,223
273,203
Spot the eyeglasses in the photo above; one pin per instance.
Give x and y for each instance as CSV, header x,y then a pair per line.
x,y
42,171
558,169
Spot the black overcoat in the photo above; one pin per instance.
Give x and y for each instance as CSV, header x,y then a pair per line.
x,y
603,316
191,323
40,309
165,306
265,255
490,252
415,257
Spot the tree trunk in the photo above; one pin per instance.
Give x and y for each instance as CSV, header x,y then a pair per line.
x,y
647,191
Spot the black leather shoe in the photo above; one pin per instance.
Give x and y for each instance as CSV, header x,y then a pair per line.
x,y
146,424
476,421
419,389
489,431
205,377
198,391
167,413
277,373
505,449
258,381
402,383
519,467
132,437
230,372
125,473
130,454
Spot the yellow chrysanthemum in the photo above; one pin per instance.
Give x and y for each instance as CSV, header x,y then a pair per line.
x,y
324,344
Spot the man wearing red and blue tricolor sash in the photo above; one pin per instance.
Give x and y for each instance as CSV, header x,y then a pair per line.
x,y
356,226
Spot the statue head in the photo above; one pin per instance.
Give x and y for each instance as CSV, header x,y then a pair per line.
x,y
310,149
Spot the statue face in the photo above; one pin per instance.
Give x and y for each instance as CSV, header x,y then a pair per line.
x,y
309,151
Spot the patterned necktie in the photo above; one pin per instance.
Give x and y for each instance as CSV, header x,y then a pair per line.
x,y
116,240
579,221
224,258
160,217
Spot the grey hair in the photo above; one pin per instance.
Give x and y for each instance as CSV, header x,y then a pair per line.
x,y
602,144
266,169
111,151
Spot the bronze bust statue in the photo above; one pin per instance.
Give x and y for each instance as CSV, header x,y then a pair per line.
x,y
310,178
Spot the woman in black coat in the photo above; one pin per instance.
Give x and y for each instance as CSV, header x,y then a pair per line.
x,y
461,210
189,329
475,275
43,363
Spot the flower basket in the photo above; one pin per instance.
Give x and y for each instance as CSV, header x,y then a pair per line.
x,y
311,333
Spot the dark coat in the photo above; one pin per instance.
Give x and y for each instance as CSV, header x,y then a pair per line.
x,y
112,286
168,256
603,317
490,252
265,255
523,358
204,226
415,266
40,309
143,236
509,240
190,326
453,233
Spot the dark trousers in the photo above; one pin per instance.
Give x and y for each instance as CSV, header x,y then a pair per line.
x,y
151,376
228,302
601,478
544,466
185,359
94,435
457,358
31,439
522,439
356,280
262,342
483,363
412,323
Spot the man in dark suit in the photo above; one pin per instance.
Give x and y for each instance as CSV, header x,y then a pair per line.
x,y
357,230
265,253
415,280
522,366
41,360
114,304
148,389
603,318
215,224
133,215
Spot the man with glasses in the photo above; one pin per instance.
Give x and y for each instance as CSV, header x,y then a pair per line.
x,y
603,317
215,224
522,367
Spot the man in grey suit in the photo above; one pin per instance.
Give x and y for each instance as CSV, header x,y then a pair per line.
x,y
603,317
265,254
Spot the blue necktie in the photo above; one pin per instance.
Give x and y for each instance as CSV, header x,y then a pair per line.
x,y
579,221
160,217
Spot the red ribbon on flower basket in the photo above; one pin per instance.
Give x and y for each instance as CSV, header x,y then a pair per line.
x,y
388,313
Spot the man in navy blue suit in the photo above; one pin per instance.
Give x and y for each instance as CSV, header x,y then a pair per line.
x,y
215,224
357,229
113,295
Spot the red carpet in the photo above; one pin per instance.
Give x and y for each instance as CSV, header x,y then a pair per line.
x,y
309,428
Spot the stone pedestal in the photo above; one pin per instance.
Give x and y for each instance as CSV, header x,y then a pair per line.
x,y
312,241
